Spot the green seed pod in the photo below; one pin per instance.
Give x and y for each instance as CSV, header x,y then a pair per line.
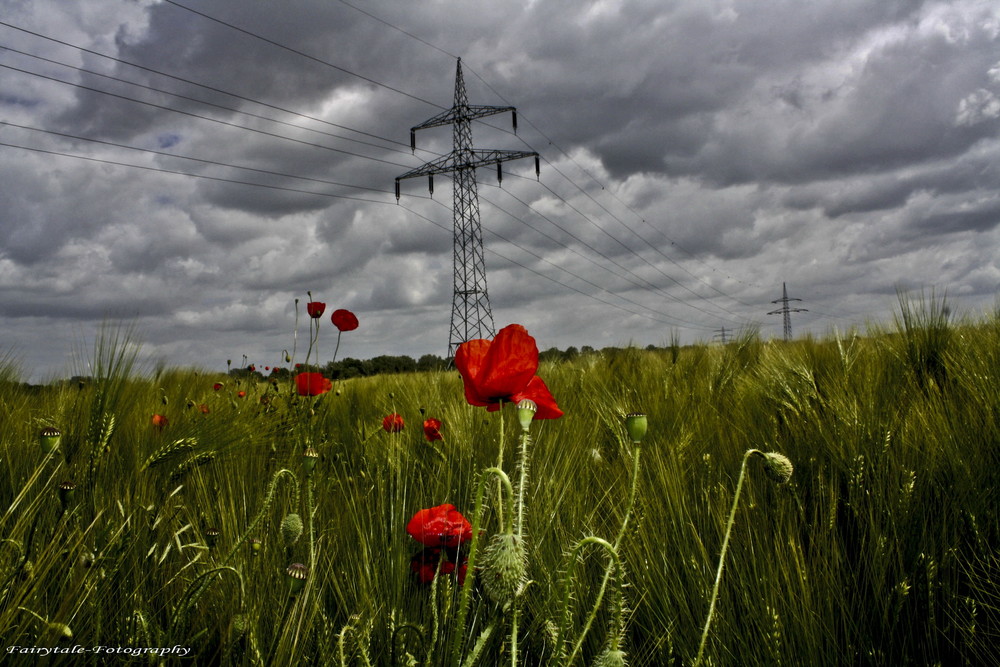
x,y
255,545
309,459
635,424
211,537
48,439
297,574
778,467
240,624
67,490
526,410
291,529
504,567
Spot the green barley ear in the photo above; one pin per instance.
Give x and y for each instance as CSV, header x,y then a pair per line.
x,y
291,529
49,439
778,467
60,630
504,567
635,424
297,574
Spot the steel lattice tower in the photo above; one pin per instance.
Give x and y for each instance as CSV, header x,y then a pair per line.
x,y
786,311
471,316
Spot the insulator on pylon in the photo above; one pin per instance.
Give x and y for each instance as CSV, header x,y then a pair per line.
x,y
430,184
514,118
538,168
397,190
499,174
413,141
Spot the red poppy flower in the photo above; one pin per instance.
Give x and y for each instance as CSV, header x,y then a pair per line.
x,y
393,423
315,309
344,320
217,386
159,422
504,370
432,430
204,409
441,526
241,394
312,384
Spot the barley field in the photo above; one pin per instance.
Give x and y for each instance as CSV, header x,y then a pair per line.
x,y
152,516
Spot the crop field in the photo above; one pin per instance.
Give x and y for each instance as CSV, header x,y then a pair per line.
x,y
171,516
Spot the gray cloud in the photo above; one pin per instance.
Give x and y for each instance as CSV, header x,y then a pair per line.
x,y
695,156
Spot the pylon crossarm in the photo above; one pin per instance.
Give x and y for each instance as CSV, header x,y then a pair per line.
x,y
469,160
467,112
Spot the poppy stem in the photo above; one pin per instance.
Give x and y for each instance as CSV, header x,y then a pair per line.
x,y
470,576
336,349
722,555
617,545
500,463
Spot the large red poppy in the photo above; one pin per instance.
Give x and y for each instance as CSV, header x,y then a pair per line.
x,y
441,526
315,309
504,370
312,384
344,320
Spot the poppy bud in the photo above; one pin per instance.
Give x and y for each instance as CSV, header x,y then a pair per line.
x,y
610,658
60,630
309,459
526,410
297,574
778,467
291,529
504,567
67,490
635,424
48,439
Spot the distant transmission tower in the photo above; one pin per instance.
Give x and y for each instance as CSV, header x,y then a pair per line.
x,y
786,311
470,309
722,334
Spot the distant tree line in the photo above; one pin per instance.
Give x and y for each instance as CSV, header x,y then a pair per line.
x,y
350,367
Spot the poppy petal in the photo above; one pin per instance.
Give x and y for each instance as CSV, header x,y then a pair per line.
x,y
509,363
469,358
537,391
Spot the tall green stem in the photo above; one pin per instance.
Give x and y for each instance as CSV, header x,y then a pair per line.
x,y
633,491
458,631
722,555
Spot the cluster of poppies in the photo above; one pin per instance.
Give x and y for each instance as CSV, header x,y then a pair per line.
x,y
342,318
494,372
442,530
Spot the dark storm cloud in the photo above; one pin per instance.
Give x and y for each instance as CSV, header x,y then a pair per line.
x,y
695,154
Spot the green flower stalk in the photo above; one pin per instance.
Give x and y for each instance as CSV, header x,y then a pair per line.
x,y
779,468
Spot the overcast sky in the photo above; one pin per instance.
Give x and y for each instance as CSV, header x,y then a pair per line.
x,y
195,172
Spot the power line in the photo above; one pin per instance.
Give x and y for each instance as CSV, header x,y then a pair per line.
x,y
303,54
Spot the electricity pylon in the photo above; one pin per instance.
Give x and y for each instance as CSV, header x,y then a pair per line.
x,y
470,308
786,311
